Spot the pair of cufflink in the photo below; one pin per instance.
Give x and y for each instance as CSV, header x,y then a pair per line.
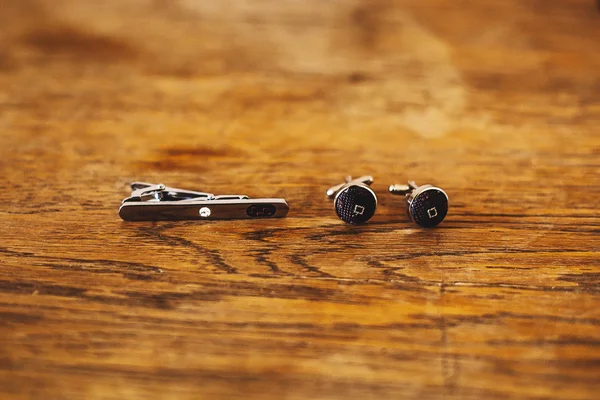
x,y
355,202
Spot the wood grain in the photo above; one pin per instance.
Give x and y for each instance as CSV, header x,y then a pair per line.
x,y
497,102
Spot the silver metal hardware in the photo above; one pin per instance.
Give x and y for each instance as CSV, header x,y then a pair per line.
x,y
157,202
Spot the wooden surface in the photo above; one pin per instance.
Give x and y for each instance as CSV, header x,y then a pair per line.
x,y
497,102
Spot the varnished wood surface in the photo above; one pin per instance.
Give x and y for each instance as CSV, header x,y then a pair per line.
x,y
497,102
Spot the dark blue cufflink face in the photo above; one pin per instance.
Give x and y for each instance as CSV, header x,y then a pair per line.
x,y
355,204
427,204
428,207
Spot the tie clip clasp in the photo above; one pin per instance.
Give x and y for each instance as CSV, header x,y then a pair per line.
x,y
157,202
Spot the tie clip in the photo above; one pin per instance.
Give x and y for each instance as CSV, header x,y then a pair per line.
x,y
150,202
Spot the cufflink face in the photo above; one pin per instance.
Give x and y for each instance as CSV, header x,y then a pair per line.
x,y
355,204
427,204
428,207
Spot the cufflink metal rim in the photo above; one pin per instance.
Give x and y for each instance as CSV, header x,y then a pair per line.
x,y
363,183
413,192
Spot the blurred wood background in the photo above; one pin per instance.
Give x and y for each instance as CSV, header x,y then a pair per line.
x,y
497,102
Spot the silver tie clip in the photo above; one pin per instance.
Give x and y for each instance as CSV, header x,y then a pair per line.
x,y
150,202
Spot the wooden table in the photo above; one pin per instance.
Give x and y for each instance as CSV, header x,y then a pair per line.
x,y
497,102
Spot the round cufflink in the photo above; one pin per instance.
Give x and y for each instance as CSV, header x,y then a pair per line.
x,y
427,204
354,201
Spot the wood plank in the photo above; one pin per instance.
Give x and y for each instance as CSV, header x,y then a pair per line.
x,y
497,102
